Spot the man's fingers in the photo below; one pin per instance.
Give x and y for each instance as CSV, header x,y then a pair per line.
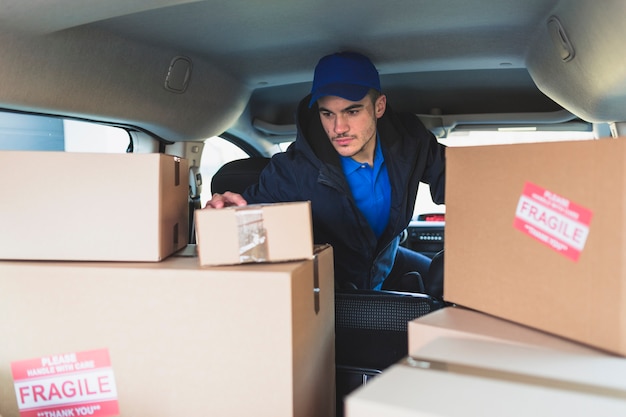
x,y
227,199
234,199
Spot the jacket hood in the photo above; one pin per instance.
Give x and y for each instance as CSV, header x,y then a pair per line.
x,y
311,134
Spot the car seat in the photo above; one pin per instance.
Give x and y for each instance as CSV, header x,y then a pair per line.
x,y
371,333
238,174
370,326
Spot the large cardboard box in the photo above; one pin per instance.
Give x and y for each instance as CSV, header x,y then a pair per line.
x,y
244,340
92,207
275,232
536,234
471,377
463,323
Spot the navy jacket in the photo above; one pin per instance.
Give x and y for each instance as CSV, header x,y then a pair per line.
x,y
310,170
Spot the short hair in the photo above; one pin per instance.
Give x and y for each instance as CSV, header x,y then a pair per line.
x,y
374,94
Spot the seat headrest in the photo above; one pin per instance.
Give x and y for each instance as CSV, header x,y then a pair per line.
x,y
237,175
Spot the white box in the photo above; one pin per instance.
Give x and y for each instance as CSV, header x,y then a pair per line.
x,y
92,207
459,378
459,322
244,340
275,232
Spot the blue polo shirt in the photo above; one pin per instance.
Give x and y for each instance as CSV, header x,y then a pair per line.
x,y
371,188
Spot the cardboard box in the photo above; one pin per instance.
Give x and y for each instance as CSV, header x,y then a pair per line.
x,y
92,207
471,377
536,234
462,323
244,340
255,233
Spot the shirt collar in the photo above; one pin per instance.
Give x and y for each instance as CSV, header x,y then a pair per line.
x,y
349,165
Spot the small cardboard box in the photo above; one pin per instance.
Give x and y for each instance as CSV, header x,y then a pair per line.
x,y
462,323
92,207
255,233
470,377
169,338
536,234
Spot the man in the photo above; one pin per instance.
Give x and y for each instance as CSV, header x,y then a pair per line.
x,y
359,164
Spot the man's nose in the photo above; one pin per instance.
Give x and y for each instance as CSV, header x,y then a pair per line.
x,y
341,125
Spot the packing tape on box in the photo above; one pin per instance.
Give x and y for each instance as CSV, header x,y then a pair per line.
x,y
510,376
253,245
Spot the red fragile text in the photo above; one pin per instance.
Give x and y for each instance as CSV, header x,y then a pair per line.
x,y
552,221
66,389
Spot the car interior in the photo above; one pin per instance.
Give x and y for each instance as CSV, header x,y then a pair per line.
x,y
179,76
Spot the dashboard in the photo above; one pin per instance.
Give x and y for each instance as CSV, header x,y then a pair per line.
x,y
425,235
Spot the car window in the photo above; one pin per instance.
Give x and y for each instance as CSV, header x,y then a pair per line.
x,y
29,132
93,137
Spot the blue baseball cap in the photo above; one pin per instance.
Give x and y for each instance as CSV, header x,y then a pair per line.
x,y
348,75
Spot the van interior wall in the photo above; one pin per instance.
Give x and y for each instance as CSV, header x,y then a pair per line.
x,y
592,85
95,75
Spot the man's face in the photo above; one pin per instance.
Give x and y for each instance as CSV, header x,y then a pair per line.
x,y
351,125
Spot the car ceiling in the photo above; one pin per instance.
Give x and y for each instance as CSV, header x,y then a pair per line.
x,y
254,60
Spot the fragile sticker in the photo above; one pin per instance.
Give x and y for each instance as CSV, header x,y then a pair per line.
x,y
553,220
66,385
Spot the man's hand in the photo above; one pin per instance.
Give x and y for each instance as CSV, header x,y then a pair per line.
x,y
226,200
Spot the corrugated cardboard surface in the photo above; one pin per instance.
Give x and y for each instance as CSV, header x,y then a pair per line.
x,y
495,268
183,340
454,378
92,207
255,233
459,322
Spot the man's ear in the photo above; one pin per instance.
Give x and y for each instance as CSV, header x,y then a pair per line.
x,y
380,105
